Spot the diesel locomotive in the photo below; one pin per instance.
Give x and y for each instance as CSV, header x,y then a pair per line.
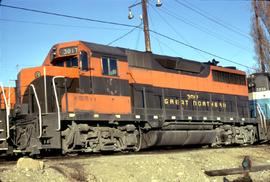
x,y
259,96
89,97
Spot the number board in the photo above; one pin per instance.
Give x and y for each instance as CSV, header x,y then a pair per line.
x,y
260,89
68,51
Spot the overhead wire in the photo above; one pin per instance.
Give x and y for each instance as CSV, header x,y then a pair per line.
x,y
138,38
122,36
153,25
182,37
166,45
203,29
139,30
59,25
125,25
67,16
193,47
212,19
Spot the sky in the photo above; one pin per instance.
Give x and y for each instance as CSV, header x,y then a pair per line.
x,y
26,37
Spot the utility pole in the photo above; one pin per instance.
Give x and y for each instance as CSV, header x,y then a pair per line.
x,y
146,27
145,22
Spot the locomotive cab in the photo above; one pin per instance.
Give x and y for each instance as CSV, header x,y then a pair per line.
x,y
79,72
70,57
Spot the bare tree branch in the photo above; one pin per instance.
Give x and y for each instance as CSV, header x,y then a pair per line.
x,y
261,33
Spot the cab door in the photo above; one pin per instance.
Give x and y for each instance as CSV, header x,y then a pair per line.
x,y
85,73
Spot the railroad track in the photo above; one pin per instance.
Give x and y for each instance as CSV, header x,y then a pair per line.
x,y
154,151
161,150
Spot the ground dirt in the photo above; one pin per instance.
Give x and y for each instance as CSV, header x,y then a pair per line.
x,y
185,165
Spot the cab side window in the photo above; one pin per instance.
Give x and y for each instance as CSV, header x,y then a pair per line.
x,y
109,66
84,61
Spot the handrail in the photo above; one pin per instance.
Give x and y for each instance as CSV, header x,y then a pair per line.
x,y
7,109
57,103
259,112
45,90
39,111
262,116
264,119
9,96
268,106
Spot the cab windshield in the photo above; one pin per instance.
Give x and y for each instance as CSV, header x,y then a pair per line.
x,y
66,62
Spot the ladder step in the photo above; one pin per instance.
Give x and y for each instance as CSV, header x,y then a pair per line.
x,y
3,148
